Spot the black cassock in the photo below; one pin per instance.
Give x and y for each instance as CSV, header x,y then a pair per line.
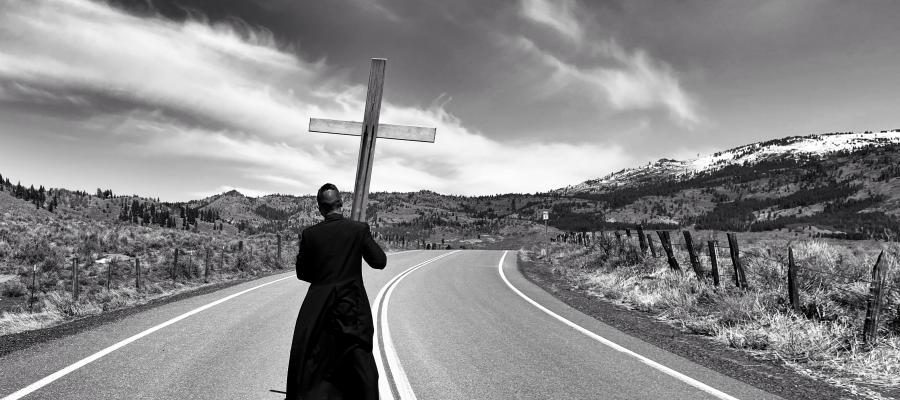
x,y
331,353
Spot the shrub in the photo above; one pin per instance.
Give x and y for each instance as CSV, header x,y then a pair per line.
x,y
63,305
13,288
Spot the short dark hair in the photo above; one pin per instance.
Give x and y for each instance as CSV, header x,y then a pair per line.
x,y
328,197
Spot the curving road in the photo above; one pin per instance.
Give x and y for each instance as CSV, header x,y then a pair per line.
x,y
451,325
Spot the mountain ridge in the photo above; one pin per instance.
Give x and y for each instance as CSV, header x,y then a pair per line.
x,y
806,145
841,184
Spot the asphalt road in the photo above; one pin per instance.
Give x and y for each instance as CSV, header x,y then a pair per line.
x,y
455,328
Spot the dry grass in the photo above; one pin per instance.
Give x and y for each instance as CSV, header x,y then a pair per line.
x,y
824,337
14,322
53,308
50,244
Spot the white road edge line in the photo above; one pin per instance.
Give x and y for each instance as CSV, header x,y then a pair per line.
x,y
384,387
404,389
94,357
662,368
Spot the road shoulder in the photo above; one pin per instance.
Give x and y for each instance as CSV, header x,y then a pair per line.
x,y
23,340
766,375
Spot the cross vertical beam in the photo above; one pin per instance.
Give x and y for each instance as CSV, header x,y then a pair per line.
x,y
370,130
367,143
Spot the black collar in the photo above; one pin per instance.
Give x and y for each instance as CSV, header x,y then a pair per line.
x,y
334,217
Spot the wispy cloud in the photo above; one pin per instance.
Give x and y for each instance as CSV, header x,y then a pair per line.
x,y
558,15
235,98
623,79
234,77
620,79
376,7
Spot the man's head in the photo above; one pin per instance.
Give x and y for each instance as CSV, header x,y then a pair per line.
x,y
329,199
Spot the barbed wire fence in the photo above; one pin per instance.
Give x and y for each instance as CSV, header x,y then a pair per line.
x,y
86,277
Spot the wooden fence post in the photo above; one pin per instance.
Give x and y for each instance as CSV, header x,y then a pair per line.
x,y
873,306
793,295
714,261
618,237
740,280
222,260
175,266
650,245
692,253
627,232
642,239
667,246
33,287
75,285
207,265
137,273
279,250
109,267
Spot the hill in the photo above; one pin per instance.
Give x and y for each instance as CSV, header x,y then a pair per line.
x,y
840,184
424,217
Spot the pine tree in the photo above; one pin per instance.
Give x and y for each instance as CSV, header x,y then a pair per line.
x,y
123,212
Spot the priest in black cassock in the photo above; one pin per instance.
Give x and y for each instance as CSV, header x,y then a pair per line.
x,y
331,353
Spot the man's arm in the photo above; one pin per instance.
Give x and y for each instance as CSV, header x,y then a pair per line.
x,y
301,264
371,252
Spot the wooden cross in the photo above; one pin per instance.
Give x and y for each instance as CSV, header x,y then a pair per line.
x,y
370,129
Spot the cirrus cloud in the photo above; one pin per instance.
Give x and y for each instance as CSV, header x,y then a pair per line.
x,y
559,15
612,75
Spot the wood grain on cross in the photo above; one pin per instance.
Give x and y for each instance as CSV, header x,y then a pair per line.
x,y
370,129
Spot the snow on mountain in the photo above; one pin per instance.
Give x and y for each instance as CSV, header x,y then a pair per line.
x,y
812,144
666,169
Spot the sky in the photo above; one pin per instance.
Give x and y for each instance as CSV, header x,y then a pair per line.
x,y
182,99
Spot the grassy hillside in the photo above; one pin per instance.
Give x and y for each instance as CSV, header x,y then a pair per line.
x,y
39,251
853,194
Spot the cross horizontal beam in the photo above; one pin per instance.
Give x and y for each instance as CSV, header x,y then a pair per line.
x,y
385,131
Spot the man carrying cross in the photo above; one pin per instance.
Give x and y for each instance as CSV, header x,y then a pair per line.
x,y
331,352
